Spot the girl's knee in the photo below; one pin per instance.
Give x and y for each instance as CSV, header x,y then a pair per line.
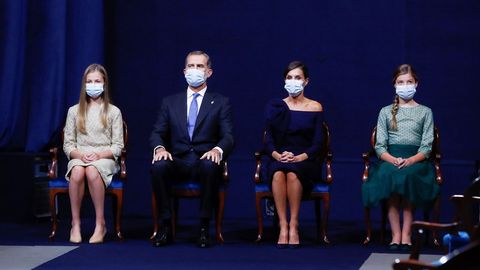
x,y
77,174
92,173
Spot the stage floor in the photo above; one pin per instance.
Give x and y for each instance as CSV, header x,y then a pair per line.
x,y
26,246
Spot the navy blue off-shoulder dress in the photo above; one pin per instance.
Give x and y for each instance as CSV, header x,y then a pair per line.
x,y
297,132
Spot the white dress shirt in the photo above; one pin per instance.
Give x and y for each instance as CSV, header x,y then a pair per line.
x,y
190,93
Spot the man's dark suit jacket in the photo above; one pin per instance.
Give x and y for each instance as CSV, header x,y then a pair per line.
x,y
213,127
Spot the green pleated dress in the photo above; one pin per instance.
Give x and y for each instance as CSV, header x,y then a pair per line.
x,y
415,183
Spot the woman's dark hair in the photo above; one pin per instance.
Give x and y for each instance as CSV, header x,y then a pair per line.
x,y
296,64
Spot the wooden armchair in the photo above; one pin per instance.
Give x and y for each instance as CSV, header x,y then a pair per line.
x,y
58,185
320,192
191,189
465,257
435,157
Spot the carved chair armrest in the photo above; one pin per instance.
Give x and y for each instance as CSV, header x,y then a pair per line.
x,y
258,166
448,227
52,173
123,165
366,162
328,166
421,226
438,172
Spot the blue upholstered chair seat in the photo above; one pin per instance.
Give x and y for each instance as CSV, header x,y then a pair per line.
x,y
60,182
318,187
453,241
321,187
191,187
187,185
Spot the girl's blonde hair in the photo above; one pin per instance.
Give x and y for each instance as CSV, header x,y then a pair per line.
x,y
84,99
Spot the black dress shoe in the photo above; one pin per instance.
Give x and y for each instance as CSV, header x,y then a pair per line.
x,y
406,247
293,246
204,238
163,238
394,246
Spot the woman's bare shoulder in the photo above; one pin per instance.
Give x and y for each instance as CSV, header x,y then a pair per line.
x,y
315,106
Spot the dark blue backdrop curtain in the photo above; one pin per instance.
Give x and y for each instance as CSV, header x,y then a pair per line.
x,y
46,45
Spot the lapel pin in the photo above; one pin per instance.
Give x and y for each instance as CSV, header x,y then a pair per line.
x,y
212,101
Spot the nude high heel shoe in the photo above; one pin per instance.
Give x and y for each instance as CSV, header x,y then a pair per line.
x,y
75,238
98,239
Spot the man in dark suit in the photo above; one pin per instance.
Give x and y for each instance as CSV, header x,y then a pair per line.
x,y
192,135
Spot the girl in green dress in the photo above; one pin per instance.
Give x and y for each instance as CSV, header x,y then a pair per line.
x,y
403,176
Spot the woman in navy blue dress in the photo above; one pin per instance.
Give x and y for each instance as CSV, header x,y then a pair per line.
x,y
293,142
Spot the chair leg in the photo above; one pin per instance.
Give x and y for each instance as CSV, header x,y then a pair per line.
x,y
118,212
436,218
176,206
258,203
326,210
318,219
53,213
369,226
155,216
219,217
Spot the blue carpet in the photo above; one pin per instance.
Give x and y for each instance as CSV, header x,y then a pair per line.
x,y
238,252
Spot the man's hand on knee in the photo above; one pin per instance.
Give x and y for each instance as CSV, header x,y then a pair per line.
x,y
161,154
213,155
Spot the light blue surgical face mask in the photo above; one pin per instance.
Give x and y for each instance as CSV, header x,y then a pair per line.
x,y
405,92
294,87
195,77
94,90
